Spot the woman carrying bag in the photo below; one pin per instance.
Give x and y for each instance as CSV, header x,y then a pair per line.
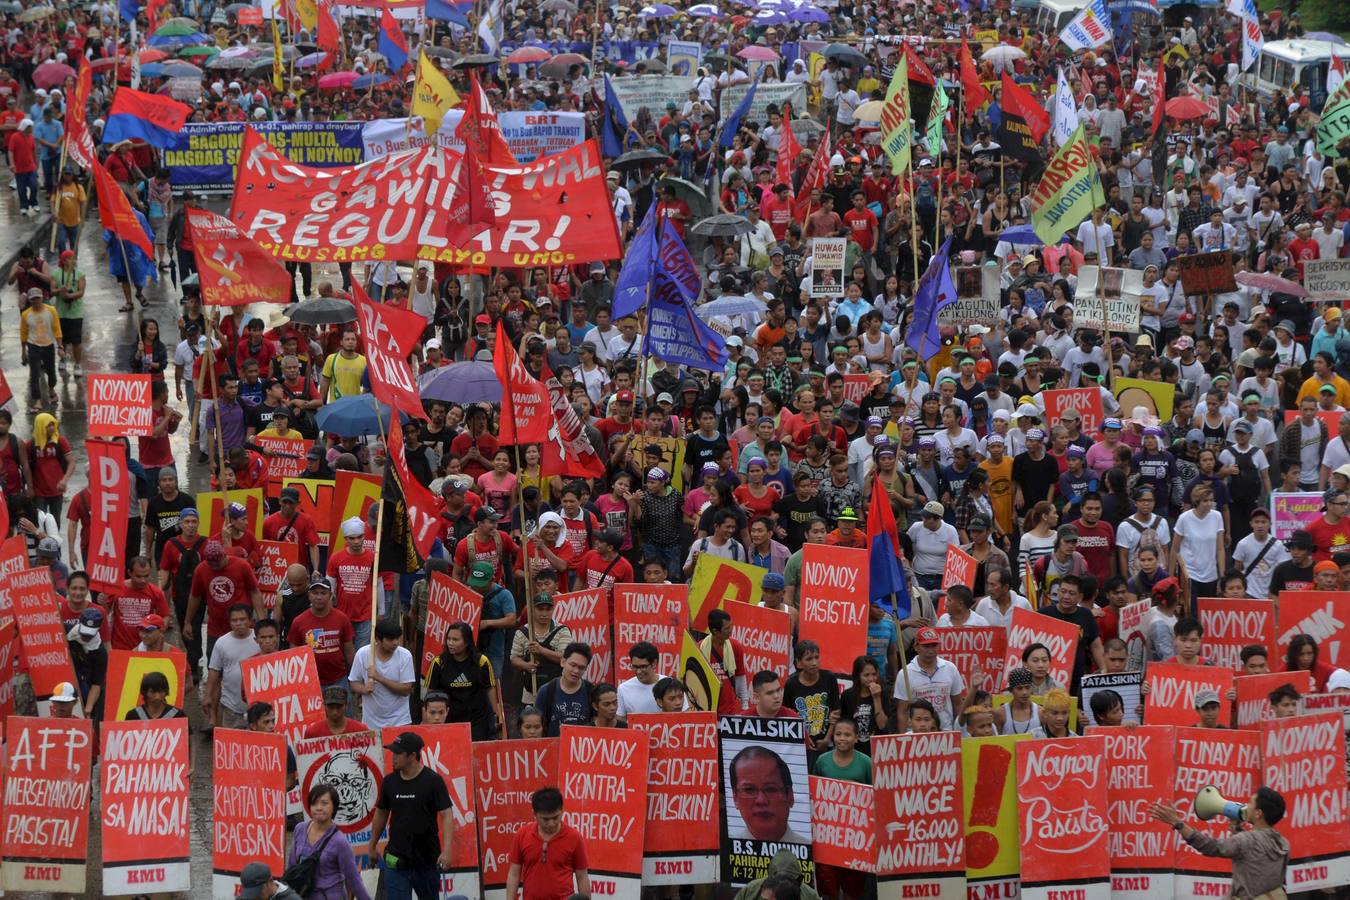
x,y
321,865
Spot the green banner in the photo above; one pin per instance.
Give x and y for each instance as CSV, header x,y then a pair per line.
x,y
1334,126
937,114
897,133
1068,191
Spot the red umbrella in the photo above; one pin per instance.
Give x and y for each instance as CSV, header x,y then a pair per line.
x,y
51,74
1182,108
1268,281
528,55
107,62
336,81
152,54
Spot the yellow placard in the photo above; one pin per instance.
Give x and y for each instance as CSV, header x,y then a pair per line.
x,y
308,13
125,671
211,506
672,455
716,580
1155,396
700,681
989,795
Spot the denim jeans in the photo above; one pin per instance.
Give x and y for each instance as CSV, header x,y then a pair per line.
x,y
401,884
28,189
67,236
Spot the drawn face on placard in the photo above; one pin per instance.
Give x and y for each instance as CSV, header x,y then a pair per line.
x,y
762,788
354,778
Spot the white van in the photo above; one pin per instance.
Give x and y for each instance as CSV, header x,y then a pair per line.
x,y
1283,65
1054,15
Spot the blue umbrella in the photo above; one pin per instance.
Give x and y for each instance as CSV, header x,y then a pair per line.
x,y
152,70
354,416
177,41
178,69
462,382
375,79
1020,234
732,306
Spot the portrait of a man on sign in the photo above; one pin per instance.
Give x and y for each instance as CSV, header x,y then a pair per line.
x,y
762,788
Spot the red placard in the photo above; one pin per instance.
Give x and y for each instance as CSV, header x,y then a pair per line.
x,y
978,652
233,269
286,458
46,810
146,790
38,614
249,15
119,405
1172,688
274,558
1086,400
126,668
248,810
603,774
1142,848
13,559
959,568
680,843
586,613
1028,628
1062,802
288,680
9,670
765,635
655,613
448,752
843,824
832,603
856,387
1232,624
110,508
1303,758
505,773
1253,694
921,849
1229,760
1320,614
448,602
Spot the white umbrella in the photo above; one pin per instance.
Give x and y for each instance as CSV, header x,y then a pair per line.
x,y
1003,55
732,306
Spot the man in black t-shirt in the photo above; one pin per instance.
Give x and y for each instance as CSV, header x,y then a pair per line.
x,y
1035,472
703,446
813,693
162,511
797,509
1067,608
415,803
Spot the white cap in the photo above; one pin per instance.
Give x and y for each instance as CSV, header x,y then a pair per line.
x,y
354,527
434,343
26,123
837,161
234,86
40,92
64,693
259,113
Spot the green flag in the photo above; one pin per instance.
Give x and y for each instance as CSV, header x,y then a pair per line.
x,y
937,114
1334,126
1068,191
897,134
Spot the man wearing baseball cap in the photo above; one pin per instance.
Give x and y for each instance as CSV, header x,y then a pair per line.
x,y
257,882
292,526
415,804
932,678
327,631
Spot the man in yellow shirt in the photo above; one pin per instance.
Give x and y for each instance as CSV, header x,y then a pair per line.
x,y
999,466
1324,372
343,371
39,343
280,426
68,201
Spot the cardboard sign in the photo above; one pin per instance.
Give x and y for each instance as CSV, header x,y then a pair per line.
x,y
1207,273
505,774
316,501
921,851
110,508
288,680
119,405
46,809
146,790
1111,306
844,819
1320,614
275,557
679,843
1062,802
958,568
672,460
285,459
765,635
586,613
41,632
448,602
1229,760
1126,684
353,495
715,581
978,652
603,774
1292,512
1142,849
1130,624
352,762
1327,279
1172,689
827,266
1086,401
248,810
1028,628
1253,694
1232,624
211,506
1304,759
655,613
448,752
832,603
989,798
977,297
755,752
126,668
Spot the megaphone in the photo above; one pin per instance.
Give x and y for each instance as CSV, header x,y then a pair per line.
x,y
1210,803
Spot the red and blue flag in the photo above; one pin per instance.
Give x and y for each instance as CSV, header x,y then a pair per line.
x,y
153,118
888,567
392,45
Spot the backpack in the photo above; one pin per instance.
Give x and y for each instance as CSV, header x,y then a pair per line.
x,y
1245,487
304,422
182,579
1148,539
924,199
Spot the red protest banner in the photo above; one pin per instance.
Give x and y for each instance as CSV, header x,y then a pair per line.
x,y
286,458
505,774
765,635
421,508
1142,849
1172,688
9,669
921,848
38,615
119,405
46,809
6,394
680,843
1229,760
288,680
978,652
1304,759
833,603
1232,624
126,668
110,503
1062,802
1321,615
389,334
1253,694
316,501
1086,400
1130,625
586,613
1028,628
248,810
448,752
655,613
233,269
274,558
250,15
958,568
603,774
13,559
448,602
856,387
146,790
843,824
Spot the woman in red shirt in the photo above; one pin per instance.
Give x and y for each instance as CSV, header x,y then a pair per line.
x,y
155,452
755,497
49,455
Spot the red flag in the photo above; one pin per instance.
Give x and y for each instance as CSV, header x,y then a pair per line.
x,y
1019,101
472,205
971,88
479,128
329,36
423,513
389,334
79,142
788,150
110,497
234,270
525,401
1159,96
816,177
571,454
918,69
115,212
152,8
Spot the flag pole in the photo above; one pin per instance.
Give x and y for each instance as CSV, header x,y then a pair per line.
x,y
209,373
914,230
60,167
525,550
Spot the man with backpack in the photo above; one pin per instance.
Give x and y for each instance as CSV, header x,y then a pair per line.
x,y
177,562
536,650
1248,473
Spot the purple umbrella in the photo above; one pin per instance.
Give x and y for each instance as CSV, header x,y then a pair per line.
x,y
462,382
658,11
808,13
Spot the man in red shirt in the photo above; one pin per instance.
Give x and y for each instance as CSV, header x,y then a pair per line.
x,y
486,543
23,161
673,208
777,211
220,581
1303,248
548,856
603,567
294,527
861,223
327,631
1330,533
620,420
474,446
335,719
1096,538
138,599
351,569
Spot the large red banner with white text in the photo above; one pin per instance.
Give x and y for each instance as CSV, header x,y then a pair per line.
x,y
586,614
505,774
46,809
833,603
1062,801
1232,624
1303,758
110,499
654,613
1060,637
1320,614
448,602
146,789
680,844
603,774
920,838
1142,848
1229,760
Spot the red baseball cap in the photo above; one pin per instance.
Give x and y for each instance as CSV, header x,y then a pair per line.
x,y
483,319
926,636
624,397
153,621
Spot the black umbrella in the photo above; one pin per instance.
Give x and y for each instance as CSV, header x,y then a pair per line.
x,y
440,52
724,225
635,158
323,311
475,59
845,55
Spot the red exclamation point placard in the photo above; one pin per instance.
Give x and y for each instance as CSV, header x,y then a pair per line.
x,y
991,774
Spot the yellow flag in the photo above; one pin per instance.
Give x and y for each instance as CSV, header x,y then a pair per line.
x,y
700,681
277,81
433,94
308,13
897,134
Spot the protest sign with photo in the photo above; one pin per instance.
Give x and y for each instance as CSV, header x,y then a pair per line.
x,y
920,811
958,568
832,603
655,613
717,580
46,808
1229,760
763,812
38,615
979,653
289,680
1253,694
683,58
211,507
1117,297
1028,627
1320,615
827,266
1303,758
506,773
1126,684
765,635
352,763
110,510
316,501
989,798
844,824
1139,772
126,668
1172,688
119,405
248,810
274,558
1207,273
977,297
768,91
146,788
1063,807
448,602
1327,279
1086,401
1292,512
1155,397
1231,624
603,774
1130,624
586,613
680,844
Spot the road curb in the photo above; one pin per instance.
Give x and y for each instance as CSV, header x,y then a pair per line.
x,y
37,238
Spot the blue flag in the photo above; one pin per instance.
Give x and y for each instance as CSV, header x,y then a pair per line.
x,y
449,11
614,127
634,282
733,122
129,260
674,332
128,10
936,291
